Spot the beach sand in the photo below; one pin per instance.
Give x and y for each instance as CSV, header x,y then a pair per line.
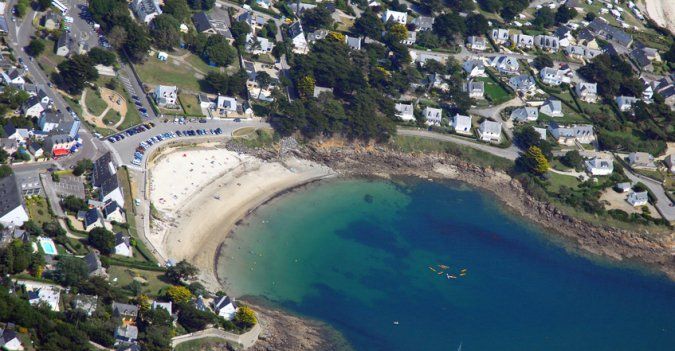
x,y
662,12
201,194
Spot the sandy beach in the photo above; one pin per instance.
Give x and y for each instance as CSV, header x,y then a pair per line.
x,y
662,12
201,194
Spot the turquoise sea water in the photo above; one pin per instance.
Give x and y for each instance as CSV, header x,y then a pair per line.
x,y
356,254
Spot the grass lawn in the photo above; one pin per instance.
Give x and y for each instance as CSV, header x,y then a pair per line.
x,y
133,117
95,104
557,180
204,344
140,248
418,144
123,276
111,117
190,103
38,210
173,72
494,92
48,60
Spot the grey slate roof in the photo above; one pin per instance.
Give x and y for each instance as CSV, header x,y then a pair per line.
x,y
10,196
124,309
103,177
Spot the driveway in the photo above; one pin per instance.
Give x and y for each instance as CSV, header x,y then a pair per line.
x,y
663,203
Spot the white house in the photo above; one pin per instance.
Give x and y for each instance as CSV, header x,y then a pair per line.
x,y
476,89
461,124
599,166
298,39
146,10
258,45
104,177
523,41
525,114
433,116
552,76
395,16
569,135
474,68
523,84
14,78
168,306
637,199
641,160
587,91
500,35
9,340
405,111
505,64
541,131
552,107
490,131
547,42
49,295
225,307
477,43
166,96
625,103
225,104
123,245
670,162
12,210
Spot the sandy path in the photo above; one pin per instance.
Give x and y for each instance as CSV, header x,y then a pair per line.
x,y
662,12
195,222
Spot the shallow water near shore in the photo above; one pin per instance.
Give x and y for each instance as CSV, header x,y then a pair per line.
x,y
363,254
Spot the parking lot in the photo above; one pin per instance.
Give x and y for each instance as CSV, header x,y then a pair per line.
x,y
126,148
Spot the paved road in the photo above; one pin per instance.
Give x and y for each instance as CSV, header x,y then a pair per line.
x,y
134,86
663,203
510,153
124,149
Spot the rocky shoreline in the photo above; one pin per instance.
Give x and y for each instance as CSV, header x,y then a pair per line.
x,y
287,332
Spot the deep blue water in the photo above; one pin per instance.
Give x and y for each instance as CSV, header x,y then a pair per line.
x,y
356,254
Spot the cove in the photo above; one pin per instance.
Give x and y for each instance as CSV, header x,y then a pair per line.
x,y
363,254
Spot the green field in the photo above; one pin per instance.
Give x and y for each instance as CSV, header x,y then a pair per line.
x,y
190,103
38,210
494,92
95,104
173,72
150,280
558,180
111,117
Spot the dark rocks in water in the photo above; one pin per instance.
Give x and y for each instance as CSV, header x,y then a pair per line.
x,y
368,198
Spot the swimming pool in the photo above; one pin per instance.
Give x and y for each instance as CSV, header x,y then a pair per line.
x,y
48,246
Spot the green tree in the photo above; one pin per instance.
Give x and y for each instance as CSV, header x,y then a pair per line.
x,y
544,17
179,9
218,51
183,270
264,80
239,32
5,170
534,161
369,25
564,14
306,87
82,166
137,41
193,319
102,239
102,56
542,61
572,159
476,24
178,294
74,73
245,318
317,18
70,270
449,25
117,37
398,31
165,31
35,48
44,4
4,156
73,204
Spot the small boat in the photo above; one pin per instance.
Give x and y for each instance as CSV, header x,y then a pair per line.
x,y
447,275
452,277
395,322
463,270
442,266
432,268
439,273
462,274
